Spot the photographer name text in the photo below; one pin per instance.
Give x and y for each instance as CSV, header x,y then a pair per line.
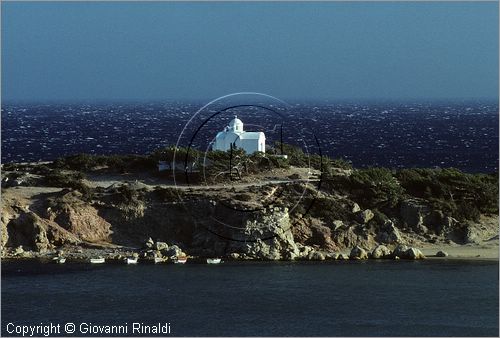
x,y
51,329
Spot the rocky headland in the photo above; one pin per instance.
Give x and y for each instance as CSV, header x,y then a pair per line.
x,y
84,207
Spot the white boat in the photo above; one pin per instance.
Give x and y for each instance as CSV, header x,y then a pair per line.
x,y
132,260
97,260
180,260
213,260
160,260
60,260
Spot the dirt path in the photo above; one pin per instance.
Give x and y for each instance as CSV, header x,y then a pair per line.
x,y
276,177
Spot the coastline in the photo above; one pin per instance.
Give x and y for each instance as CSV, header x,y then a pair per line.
x,y
479,252
116,255
53,210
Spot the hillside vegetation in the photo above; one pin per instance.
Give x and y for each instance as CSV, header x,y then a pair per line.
x,y
457,194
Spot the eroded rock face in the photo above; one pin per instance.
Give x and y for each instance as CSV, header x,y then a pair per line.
x,y
358,253
37,233
66,217
421,218
322,236
82,220
6,217
273,238
413,253
472,234
404,252
381,251
316,256
346,237
302,231
413,213
400,251
365,216
389,234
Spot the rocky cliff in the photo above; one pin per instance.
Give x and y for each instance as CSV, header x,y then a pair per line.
x,y
213,223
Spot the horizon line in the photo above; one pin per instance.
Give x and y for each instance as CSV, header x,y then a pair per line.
x,y
192,99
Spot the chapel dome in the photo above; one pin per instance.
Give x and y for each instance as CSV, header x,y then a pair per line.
x,y
236,124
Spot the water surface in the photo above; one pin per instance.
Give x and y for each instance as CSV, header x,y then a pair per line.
x,y
438,298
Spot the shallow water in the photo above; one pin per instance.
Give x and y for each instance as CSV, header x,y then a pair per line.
x,y
404,298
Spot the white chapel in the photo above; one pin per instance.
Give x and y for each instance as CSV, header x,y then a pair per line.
x,y
233,134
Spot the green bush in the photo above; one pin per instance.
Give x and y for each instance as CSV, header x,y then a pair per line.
x,y
371,187
121,163
379,217
328,209
58,178
127,195
341,163
168,194
462,195
181,155
72,179
243,197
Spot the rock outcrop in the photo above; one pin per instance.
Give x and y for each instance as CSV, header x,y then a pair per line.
x,y
381,251
405,252
413,253
389,234
414,213
365,216
79,218
270,237
211,224
400,251
38,234
441,253
358,253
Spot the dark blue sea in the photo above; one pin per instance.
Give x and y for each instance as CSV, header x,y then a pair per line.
x,y
386,298
396,135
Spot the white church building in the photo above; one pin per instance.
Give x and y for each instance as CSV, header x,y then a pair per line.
x,y
233,134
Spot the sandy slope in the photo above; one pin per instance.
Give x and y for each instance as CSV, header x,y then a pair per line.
x,y
481,251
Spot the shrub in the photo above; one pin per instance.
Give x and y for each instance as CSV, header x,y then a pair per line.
x,y
73,180
121,163
167,194
379,217
128,195
341,163
328,209
462,195
58,178
181,155
243,197
371,187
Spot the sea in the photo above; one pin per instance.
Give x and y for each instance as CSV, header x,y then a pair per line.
x,y
373,298
456,134
337,298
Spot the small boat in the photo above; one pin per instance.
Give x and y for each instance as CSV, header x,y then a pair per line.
x,y
213,260
180,260
97,260
59,260
160,260
130,260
